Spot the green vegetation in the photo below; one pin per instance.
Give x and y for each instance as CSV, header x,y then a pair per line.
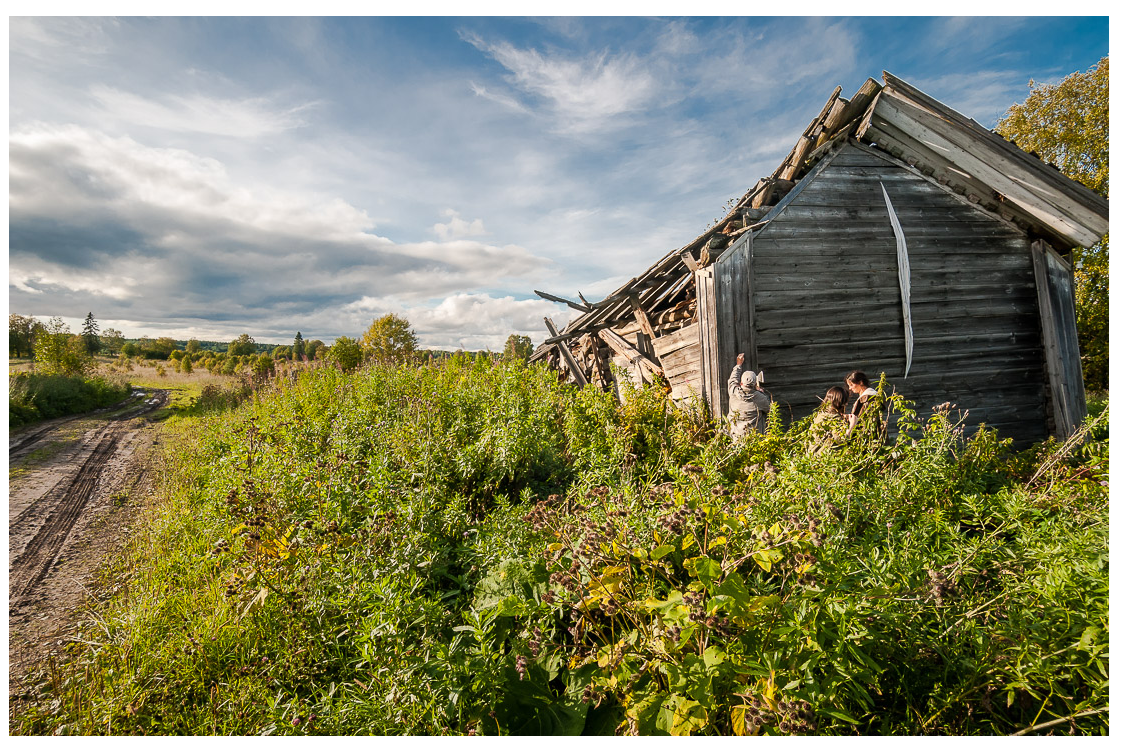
x,y
518,347
36,396
389,339
1067,124
473,548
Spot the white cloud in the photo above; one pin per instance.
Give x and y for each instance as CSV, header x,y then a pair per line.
x,y
472,321
583,92
245,118
458,227
43,38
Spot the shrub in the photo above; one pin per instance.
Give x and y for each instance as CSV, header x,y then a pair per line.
x,y
35,396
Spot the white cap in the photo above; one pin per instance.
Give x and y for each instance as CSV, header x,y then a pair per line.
x,y
747,380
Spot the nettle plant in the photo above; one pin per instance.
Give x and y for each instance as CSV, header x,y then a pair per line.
x,y
667,606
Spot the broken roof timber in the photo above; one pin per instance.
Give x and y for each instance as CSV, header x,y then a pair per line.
x,y
931,132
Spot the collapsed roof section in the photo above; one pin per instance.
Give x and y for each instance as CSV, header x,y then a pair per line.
x,y
895,118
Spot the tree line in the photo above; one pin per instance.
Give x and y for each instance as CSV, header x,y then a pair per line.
x,y
55,350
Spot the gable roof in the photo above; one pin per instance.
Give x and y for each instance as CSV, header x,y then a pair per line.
x,y
917,131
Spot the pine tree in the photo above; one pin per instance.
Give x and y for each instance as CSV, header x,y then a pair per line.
x,y
90,335
298,347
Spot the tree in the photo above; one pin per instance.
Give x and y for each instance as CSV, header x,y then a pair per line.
x,y
315,349
112,341
185,364
298,349
390,339
21,335
59,352
130,350
518,347
281,352
262,365
346,352
90,335
1067,124
193,346
243,345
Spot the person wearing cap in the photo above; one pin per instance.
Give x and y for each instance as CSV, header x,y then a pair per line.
x,y
747,404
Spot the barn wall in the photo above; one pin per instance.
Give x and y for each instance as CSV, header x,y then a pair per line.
x,y
822,277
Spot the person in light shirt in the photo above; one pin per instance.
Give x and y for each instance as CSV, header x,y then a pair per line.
x,y
748,405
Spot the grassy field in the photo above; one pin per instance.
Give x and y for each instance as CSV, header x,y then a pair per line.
x,y
476,549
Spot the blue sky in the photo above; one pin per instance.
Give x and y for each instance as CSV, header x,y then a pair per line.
x,y
204,177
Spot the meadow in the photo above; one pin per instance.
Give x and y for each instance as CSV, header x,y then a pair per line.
x,y
470,547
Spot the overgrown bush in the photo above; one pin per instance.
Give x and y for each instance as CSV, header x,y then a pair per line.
x,y
476,549
36,396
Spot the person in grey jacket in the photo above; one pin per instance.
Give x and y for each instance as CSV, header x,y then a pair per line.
x,y
747,404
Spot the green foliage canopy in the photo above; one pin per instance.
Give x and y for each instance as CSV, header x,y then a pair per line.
x,y
390,339
518,347
346,352
112,340
243,345
1067,124
21,335
60,353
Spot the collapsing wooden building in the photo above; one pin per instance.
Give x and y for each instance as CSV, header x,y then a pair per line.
x,y
897,237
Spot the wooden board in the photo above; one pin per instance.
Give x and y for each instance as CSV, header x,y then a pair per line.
x,y
1055,282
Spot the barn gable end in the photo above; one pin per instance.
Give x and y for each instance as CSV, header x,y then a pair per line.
x,y
815,293
897,237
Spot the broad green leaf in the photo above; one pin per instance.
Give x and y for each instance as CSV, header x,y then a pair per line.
x,y
661,551
714,657
704,569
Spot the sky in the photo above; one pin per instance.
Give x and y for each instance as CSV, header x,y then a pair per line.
x,y
211,176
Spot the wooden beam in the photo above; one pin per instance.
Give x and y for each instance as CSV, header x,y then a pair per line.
x,y
640,315
573,366
690,261
562,300
619,344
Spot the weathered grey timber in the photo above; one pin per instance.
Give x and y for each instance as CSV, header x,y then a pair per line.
x,y
891,210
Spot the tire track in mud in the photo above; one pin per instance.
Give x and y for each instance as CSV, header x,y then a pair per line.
x,y
68,499
39,555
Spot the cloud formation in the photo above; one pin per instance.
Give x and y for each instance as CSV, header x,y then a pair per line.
x,y
211,176
583,92
104,219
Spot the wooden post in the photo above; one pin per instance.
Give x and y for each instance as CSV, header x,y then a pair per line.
x,y
573,366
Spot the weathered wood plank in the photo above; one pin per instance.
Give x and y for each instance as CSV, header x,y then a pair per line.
x,y
569,359
686,337
854,230
1055,285
924,257
854,299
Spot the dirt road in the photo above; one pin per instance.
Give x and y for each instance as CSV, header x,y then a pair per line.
x,y
75,487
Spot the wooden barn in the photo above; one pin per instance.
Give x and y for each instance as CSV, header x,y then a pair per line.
x,y
897,237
